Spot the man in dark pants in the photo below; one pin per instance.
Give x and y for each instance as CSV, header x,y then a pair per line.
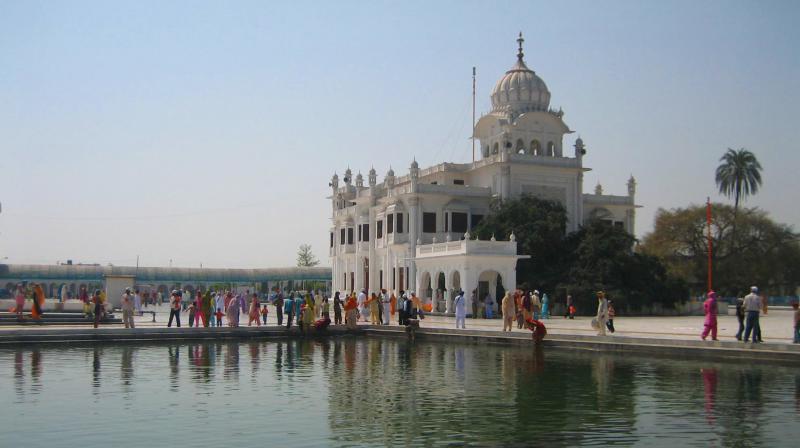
x,y
279,308
175,309
401,308
740,317
752,306
288,309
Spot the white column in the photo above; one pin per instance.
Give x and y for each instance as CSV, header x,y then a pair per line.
x,y
468,283
510,278
413,232
448,285
374,269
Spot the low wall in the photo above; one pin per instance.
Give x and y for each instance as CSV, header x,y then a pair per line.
x,y
706,350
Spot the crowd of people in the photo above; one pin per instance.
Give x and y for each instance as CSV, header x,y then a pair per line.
x,y
525,308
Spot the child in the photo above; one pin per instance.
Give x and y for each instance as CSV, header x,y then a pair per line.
x,y
611,314
219,315
264,313
796,306
191,315
572,311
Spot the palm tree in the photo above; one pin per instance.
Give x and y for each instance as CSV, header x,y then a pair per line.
x,y
739,175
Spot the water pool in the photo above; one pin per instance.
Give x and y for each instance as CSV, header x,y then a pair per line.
x,y
384,392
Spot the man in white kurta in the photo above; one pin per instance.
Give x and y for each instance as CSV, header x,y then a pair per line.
x,y
386,303
137,302
361,300
461,310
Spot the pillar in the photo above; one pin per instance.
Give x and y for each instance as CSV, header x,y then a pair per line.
x,y
413,234
469,282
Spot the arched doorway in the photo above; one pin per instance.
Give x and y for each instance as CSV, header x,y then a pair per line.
x,y
425,289
440,292
455,287
490,283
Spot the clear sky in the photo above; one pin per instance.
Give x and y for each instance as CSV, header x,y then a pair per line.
x,y
207,132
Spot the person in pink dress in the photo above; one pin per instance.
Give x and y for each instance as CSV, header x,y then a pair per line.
x,y
710,324
19,298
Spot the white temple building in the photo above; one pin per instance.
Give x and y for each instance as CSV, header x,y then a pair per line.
x,y
412,232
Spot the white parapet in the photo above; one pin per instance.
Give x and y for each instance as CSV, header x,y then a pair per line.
x,y
467,247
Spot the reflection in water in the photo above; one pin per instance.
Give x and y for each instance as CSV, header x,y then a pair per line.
x,y
36,370
255,359
126,367
797,393
232,363
96,355
19,372
710,392
357,391
174,368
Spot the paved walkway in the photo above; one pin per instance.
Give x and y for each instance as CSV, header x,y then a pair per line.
x,y
776,327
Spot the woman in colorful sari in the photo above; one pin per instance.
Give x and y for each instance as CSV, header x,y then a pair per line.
x,y
233,312
507,308
310,312
527,306
97,300
198,304
373,309
350,312
206,305
38,302
253,313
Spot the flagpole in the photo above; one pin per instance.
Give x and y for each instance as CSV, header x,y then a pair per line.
x,y
710,246
473,114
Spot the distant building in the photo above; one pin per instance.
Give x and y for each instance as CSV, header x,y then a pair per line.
x,y
163,280
412,232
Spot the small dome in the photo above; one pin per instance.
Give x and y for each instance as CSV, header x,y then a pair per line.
x,y
520,89
414,164
390,172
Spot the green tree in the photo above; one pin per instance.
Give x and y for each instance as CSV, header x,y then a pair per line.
x,y
760,251
738,176
539,226
600,257
305,257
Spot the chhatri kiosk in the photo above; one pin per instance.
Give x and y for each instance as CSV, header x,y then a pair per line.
x,y
412,232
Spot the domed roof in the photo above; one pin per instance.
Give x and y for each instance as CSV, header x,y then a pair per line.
x,y
520,89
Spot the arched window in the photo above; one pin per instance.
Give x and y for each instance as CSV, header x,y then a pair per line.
x,y
520,148
496,148
550,149
536,148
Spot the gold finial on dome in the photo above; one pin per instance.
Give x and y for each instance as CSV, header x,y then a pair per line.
x,y
520,40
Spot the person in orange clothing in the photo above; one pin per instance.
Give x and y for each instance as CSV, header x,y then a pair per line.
x,y
38,302
350,308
